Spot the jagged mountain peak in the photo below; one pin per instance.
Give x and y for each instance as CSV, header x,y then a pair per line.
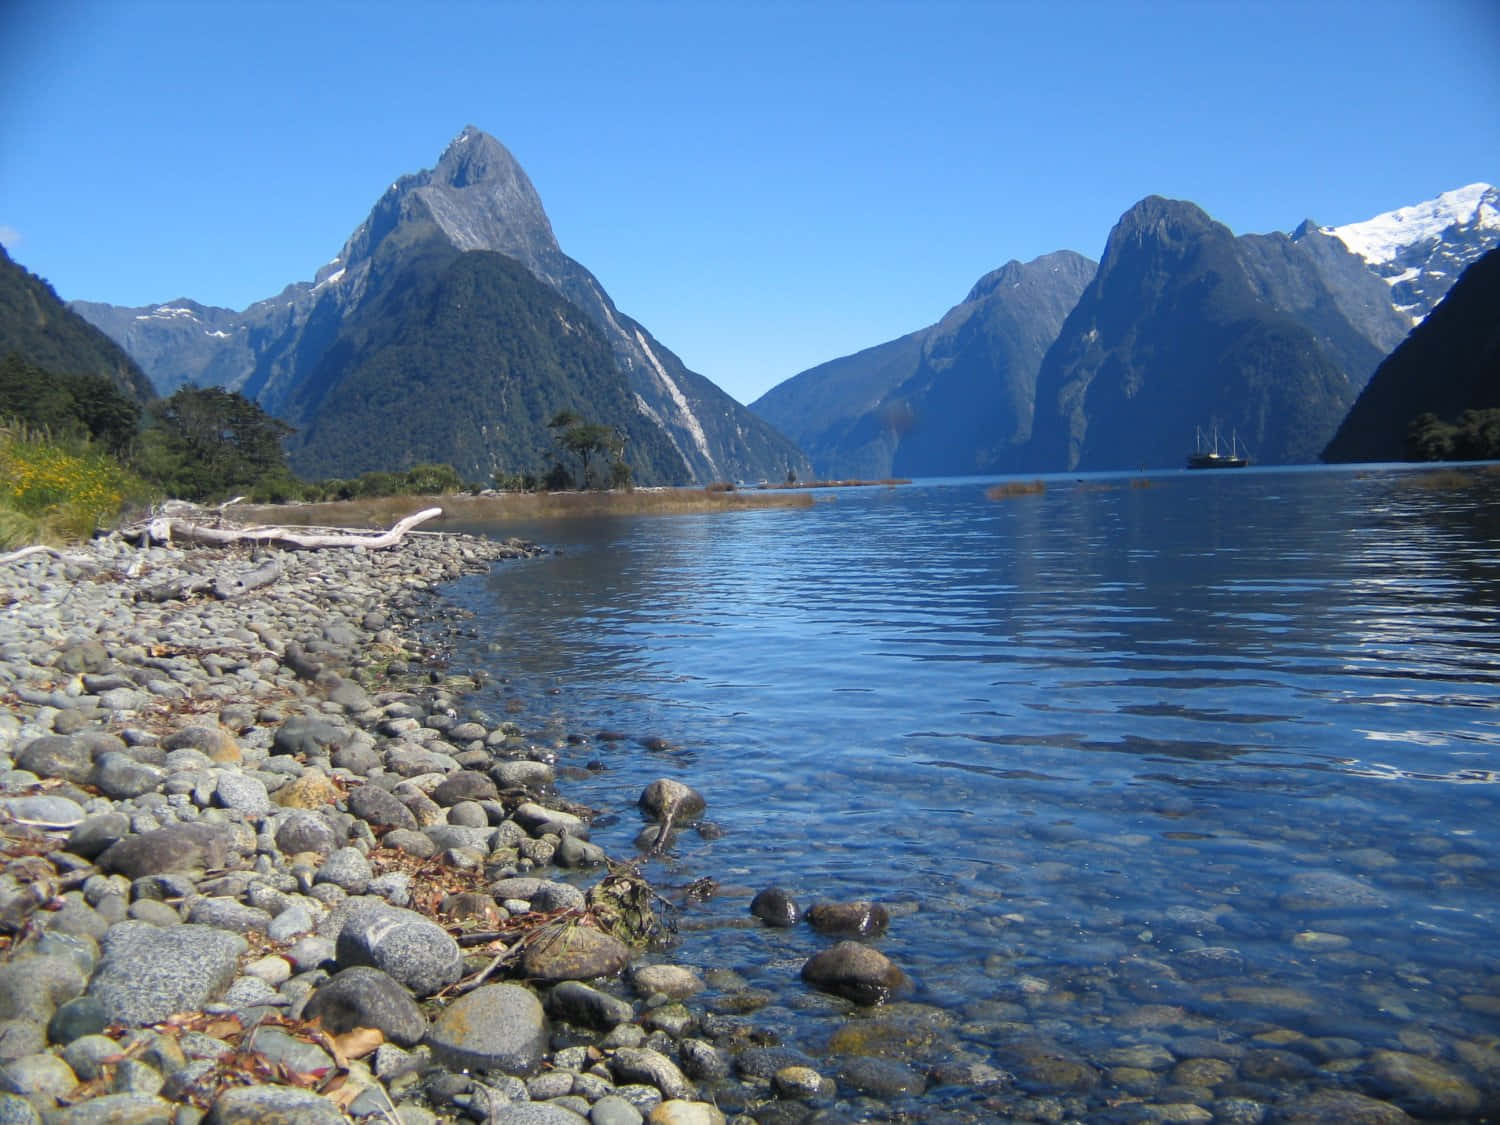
x,y
1158,226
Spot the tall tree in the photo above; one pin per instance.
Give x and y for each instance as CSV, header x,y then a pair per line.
x,y
208,442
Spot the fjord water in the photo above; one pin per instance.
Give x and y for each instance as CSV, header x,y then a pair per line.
x,y
1192,759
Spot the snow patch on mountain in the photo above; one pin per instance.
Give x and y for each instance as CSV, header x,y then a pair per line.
x,y
1384,238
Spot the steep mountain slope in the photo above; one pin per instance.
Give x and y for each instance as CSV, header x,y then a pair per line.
x,y
514,354
1420,250
1184,325
952,398
821,408
38,327
1450,363
476,198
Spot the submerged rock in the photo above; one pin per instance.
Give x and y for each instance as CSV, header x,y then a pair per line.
x,y
855,972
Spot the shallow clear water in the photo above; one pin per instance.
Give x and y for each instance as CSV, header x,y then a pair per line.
x,y
1072,737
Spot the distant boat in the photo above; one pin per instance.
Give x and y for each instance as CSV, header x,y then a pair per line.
x,y
1211,458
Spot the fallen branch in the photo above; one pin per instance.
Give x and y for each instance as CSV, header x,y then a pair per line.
x,y
163,528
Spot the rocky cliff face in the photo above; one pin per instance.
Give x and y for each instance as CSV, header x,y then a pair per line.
x,y
477,197
953,398
1184,326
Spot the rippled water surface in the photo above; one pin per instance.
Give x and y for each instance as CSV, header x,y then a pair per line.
x,y
1200,761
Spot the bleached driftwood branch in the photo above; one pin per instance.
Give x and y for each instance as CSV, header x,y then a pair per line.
x,y
163,529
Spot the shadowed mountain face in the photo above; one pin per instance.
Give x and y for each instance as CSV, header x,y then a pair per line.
x,y
36,326
1449,364
477,198
952,398
1185,325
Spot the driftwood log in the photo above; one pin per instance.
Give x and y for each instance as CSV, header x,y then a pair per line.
x,y
163,529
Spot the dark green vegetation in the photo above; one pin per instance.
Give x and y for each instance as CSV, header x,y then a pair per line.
x,y
956,397
1437,396
70,407
463,358
207,444
36,326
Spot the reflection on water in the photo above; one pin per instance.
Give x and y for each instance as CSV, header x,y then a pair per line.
x,y
1111,748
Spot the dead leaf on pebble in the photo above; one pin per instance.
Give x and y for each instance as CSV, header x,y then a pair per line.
x,y
358,1043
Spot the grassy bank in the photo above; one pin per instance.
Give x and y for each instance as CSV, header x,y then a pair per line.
x,y
462,508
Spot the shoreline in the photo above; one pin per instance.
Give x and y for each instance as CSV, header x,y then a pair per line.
x,y
221,817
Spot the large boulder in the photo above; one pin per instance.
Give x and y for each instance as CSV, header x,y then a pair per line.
x,y
416,952
495,1027
186,848
855,972
146,973
362,996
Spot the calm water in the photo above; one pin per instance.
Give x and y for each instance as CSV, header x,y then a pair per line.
x,y
1074,739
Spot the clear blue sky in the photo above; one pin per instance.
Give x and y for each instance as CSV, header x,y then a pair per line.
x,y
764,185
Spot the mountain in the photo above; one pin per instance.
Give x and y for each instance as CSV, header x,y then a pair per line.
x,y
953,398
369,399
1185,325
1449,364
1420,250
477,198
36,326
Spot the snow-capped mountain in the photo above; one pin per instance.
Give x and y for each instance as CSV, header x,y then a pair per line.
x,y
1421,250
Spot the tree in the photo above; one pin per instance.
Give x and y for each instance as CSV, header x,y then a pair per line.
x,y
208,443
67,405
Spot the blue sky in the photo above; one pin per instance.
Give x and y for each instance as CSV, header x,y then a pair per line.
x,y
764,185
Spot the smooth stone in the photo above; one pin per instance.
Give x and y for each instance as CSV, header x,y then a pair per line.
x,y
126,1108
573,952
496,1027
38,1078
577,1003
1422,1086
673,981
1346,1107
775,907
183,848
272,1105
543,895
540,821
644,1065
94,834
145,974
346,868
362,996
83,1015
677,1111
16,1110
49,812
1330,891
855,972
32,987
229,914
120,776
313,737
59,756
574,852
464,785
242,793
880,1077
849,919
612,1109
379,808
309,791
523,775
665,796
415,951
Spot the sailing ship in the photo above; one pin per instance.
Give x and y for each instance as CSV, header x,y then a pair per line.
x,y
1211,458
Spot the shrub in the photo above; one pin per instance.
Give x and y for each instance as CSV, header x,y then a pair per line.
x,y
52,491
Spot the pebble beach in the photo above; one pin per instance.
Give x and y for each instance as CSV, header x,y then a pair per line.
x,y
261,864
